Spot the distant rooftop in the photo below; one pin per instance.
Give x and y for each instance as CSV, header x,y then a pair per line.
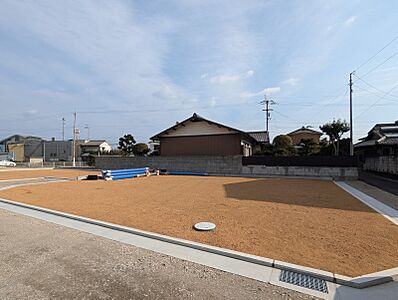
x,y
259,136
304,129
92,142
20,138
381,134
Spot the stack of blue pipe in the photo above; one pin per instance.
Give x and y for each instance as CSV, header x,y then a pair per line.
x,y
124,173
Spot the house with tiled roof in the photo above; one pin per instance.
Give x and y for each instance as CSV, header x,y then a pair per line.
x,y
304,133
381,140
200,136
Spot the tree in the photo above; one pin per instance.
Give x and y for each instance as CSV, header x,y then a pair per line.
x,y
112,152
126,144
283,145
268,149
308,147
326,148
140,149
334,130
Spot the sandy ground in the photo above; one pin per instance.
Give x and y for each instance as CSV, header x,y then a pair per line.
x,y
7,174
308,222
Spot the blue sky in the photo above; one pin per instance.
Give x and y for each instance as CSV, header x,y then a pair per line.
x,y
139,66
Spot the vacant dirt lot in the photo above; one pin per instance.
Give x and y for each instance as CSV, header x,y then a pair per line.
x,y
308,222
6,174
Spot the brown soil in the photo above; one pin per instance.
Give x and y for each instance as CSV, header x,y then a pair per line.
x,y
35,173
307,222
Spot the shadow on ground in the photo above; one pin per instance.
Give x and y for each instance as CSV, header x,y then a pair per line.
x,y
310,193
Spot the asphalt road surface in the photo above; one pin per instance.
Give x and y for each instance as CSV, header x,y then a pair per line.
x,y
42,260
384,182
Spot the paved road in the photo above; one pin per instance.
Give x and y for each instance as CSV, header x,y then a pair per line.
x,y
386,183
42,260
379,194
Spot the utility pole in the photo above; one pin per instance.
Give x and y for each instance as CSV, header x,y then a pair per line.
x,y
44,153
267,102
88,131
351,129
74,141
63,129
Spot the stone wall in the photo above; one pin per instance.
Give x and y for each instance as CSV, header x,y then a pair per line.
x,y
221,165
385,164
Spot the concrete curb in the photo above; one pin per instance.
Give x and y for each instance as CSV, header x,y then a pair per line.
x,y
21,179
16,169
30,183
261,176
357,282
368,279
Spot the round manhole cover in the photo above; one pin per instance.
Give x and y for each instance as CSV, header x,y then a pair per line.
x,y
204,226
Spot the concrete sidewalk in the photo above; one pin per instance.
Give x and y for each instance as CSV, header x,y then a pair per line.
x,y
48,261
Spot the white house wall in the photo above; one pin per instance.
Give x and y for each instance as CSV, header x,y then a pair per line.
x,y
105,147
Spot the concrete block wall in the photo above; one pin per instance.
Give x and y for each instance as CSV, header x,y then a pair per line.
x,y
221,165
336,173
385,164
210,164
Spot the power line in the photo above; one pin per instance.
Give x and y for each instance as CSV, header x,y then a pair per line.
x,y
372,86
373,56
382,63
287,117
376,94
333,100
374,103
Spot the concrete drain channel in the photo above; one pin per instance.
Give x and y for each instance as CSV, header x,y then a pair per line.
x,y
304,281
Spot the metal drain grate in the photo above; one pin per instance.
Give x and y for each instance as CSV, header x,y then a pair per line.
x,y
304,281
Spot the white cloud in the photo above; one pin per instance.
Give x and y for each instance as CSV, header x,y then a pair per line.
x,y
350,21
291,81
173,95
272,90
268,91
122,56
166,92
249,73
126,54
32,112
222,79
228,78
213,101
